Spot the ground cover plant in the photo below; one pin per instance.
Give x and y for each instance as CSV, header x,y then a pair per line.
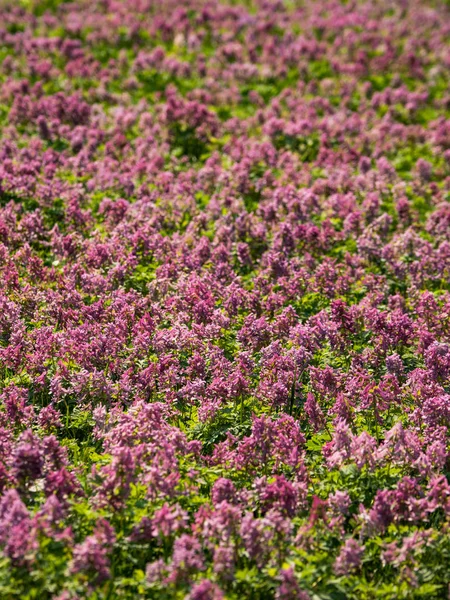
x,y
224,299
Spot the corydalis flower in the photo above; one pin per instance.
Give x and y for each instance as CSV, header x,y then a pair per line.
x,y
349,558
314,412
91,557
437,360
205,590
289,588
339,449
27,458
187,558
223,489
17,533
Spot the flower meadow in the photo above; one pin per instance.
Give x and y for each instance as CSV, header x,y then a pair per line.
x,y
224,299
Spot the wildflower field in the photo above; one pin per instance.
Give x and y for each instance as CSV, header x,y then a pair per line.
x,y
224,299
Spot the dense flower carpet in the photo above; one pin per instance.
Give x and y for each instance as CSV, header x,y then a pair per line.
x,y
224,299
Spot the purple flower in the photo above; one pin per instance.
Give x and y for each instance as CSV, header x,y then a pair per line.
x,y
187,558
349,558
91,557
17,534
289,587
223,489
205,590
27,458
